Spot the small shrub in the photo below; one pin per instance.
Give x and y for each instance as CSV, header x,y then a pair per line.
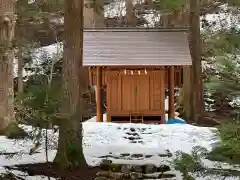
x,y
229,151
13,131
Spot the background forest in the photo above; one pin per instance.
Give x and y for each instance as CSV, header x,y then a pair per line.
x,y
219,37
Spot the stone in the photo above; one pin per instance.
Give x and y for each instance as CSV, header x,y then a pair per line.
x,y
163,155
169,154
105,164
103,173
101,178
148,156
150,168
108,156
136,176
136,155
137,168
132,133
106,161
126,168
131,138
118,176
113,175
164,168
137,138
167,176
115,167
209,122
132,129
124,154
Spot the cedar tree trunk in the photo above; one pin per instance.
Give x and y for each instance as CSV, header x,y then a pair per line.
x,y
70,152
7,25
195,48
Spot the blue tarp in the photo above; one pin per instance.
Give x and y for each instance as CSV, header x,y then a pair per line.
x,y
176,121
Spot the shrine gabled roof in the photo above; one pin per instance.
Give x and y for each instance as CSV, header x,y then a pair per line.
x,y
135,46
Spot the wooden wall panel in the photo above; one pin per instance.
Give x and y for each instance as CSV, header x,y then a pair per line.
x,y
143,93
156,90
136,94
128,103
113,97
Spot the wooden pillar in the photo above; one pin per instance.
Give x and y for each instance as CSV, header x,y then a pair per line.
x,y
90,77
163,76
99,98
171,92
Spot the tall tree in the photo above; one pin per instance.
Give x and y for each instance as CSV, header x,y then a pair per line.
x,y
7,25
99,14
178,14
195,46
179,18
130,14
20,70
70,132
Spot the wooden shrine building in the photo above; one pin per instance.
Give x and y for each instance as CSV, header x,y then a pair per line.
x,y
135,65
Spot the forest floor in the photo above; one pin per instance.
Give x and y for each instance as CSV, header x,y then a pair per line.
x,y
52,171
120,143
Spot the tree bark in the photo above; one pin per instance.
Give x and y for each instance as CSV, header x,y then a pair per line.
x,y
181,19
20,71
7,25
149,2
195,49
99,14
187,93
70,152
130,14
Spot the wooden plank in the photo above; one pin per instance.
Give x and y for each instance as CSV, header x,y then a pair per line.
x,y
90,77
120,93
127,98
143,93
162,92
99,98
156,86
108,75
171,91
114,95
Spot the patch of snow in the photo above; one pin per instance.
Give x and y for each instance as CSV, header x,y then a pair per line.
x,y
108,137
214,164
25,158
25,175
215,177
94,118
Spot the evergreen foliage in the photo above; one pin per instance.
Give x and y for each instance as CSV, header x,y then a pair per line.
x,y
39,103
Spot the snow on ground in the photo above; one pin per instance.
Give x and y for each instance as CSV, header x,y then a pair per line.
x,y
151,139
116,142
